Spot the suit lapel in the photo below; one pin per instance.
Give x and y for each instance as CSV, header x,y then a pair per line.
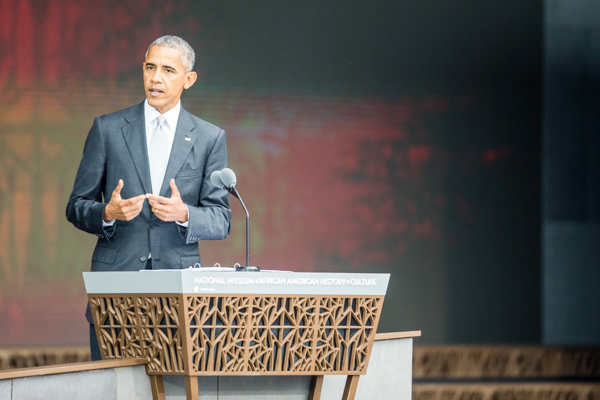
x,y
134,133
184,140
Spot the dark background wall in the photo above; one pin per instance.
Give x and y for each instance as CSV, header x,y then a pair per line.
x,y
400,137
571,173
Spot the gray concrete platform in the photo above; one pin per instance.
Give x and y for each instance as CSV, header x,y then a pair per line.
x,y
123,383
90,385
175,387
389,376
6,390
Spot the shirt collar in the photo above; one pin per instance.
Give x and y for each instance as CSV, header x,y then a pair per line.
x,y
171,116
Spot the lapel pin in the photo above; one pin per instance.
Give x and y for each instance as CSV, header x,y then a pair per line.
x,y
188,139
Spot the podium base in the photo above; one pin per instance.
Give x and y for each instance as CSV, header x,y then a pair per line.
x,y
248,269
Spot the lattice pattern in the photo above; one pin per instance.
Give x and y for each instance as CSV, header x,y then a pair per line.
x,y
281,334
161,336
276,335
140,327
117,327
345,327
217,330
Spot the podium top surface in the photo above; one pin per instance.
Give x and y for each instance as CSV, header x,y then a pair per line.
x,y
193,281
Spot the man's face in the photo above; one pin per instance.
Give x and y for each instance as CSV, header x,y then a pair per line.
x,y
165,78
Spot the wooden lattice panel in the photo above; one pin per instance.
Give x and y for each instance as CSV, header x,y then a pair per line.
x,y
345,333
239,334
140,326
115,318
217,333
281,334
161,333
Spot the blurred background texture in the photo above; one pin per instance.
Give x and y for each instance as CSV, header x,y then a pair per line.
x,y
452,144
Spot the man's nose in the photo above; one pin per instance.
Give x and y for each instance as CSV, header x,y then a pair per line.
x,y
156,76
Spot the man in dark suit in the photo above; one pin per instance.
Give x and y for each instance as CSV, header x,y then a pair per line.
x,y
143,184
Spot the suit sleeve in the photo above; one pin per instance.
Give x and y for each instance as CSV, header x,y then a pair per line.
x,y
210,220
85,209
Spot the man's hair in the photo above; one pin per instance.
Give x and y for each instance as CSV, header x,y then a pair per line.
x,y
188,57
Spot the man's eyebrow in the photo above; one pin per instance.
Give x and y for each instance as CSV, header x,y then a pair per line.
x,y
169,67
151,64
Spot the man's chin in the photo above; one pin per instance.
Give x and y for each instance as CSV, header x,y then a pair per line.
x,y
154,102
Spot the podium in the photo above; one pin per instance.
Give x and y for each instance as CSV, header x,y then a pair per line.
x,y
196,323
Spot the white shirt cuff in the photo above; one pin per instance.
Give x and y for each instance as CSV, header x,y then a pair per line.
x,y
186,223
108,223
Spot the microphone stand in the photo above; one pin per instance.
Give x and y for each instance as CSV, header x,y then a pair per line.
x,y
247,268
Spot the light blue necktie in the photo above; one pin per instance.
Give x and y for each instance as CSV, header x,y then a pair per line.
x,y
159,156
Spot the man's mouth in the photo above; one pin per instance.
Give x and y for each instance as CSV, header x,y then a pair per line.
x,y
155,92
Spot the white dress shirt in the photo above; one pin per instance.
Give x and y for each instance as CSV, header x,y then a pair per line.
x,y
171,118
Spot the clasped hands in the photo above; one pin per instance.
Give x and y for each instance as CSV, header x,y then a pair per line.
x,y
167,209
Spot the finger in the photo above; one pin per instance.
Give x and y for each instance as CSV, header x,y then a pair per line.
x,y
159,215
130,215
161,210
136,199
136,211
128,204
117,191
132,204
174,190
138,206
160,199
126,209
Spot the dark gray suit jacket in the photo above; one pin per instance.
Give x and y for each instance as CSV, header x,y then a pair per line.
x,y
116,149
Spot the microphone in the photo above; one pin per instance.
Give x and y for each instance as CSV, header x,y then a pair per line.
x,y
215,178
226,179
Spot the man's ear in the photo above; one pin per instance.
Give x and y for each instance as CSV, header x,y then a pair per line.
x,y
190,79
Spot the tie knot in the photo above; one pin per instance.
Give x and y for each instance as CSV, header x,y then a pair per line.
x,y
160,120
